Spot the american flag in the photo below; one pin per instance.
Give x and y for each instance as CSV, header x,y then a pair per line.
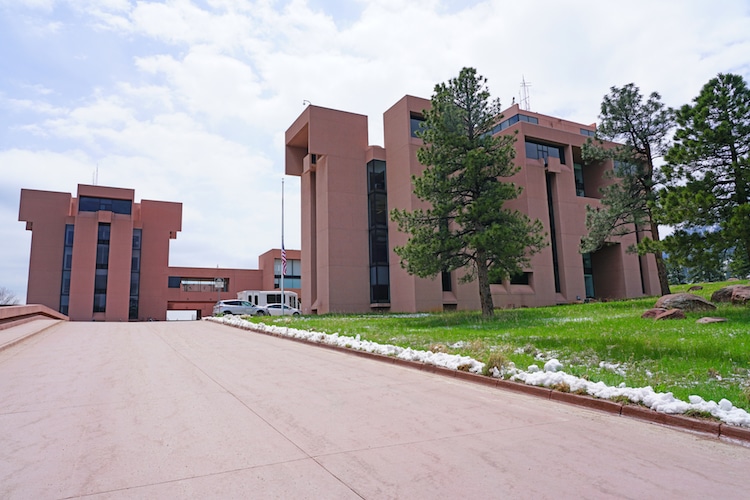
x,y
283,260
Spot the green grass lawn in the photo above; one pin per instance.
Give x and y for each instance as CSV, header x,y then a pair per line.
x,y
678,356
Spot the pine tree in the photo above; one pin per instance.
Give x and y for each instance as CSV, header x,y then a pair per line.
x,y
707,197
466,225
641,128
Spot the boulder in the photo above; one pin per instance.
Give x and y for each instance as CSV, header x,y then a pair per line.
x,y
652,313
684,301
708,319
694,288
671,314
725,294
741,295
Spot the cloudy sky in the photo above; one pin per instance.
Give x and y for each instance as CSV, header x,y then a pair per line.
x,y
188,100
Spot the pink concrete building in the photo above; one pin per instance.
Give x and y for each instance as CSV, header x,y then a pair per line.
x,y
101,256
349,187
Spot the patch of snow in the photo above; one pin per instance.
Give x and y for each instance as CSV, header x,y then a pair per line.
x,y
553,365
613,367
552,375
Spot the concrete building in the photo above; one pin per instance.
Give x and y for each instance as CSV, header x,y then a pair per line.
x,y
101,256
348,188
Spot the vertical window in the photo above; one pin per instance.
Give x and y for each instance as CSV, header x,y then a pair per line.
x,y
416,122
102,268
553,231
377,213
447,282
578,173
588,275
135,275
67,266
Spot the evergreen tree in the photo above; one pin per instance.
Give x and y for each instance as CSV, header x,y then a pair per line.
x,y
466,225
627,205
707,197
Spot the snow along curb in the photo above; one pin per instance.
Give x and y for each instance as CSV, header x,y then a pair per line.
x,y
663,408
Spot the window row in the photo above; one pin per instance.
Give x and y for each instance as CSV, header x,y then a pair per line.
x,y
512,121
92,204
540,150
196,284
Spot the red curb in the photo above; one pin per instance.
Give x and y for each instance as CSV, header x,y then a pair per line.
x,y
694,424
525,388
734,432
408,363
643,413
477,379
587,402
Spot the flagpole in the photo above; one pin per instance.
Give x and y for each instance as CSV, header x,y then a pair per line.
x,y
283,252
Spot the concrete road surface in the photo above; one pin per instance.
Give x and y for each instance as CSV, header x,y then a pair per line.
x,y
203,410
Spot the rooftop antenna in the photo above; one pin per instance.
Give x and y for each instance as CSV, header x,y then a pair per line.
x,y
96,175
525,99
305,102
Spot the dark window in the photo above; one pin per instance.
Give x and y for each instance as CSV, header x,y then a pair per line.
x,y
102,255
92,204
588,275
100,281
66,268
416,123
135,274
377,211
135,261
69,230
100,302
512,121
64,303
376,176
67,258
578,173
103,236
273,298
539,150
135,280
447,283
379,246
521,279
588,133
102,268
65,288
174,282
553,231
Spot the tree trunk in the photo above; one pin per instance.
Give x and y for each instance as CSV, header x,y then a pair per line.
x,y
485,295
661,267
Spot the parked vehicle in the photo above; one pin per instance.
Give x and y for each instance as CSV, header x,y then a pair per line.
x,y
238,307
275,310
265,297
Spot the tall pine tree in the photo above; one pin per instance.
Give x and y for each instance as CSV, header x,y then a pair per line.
x,y
466,226
641,128
707,197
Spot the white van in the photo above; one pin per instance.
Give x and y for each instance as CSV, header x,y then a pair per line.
x,y
263,297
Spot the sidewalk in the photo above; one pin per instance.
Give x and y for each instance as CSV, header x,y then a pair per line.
x,y
202,410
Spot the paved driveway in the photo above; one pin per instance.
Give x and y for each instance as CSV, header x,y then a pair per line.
x,y
203,410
